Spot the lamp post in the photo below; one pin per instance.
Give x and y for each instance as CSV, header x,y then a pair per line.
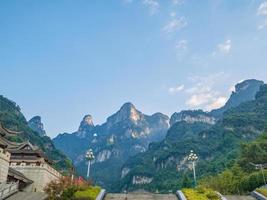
x,y
89,156
193,158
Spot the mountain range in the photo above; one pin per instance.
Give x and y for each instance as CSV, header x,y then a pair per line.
x,y
132,149
124,134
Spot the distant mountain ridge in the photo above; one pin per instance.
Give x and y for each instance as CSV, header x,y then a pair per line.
x,y
216,144
129,132
125,133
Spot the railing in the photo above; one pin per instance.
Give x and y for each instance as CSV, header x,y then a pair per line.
x,y
101,195
180,195
258,196
8,189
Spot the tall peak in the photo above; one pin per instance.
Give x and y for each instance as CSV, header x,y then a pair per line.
x,y
86,126
88,120
128,106
36,124
247,84
244,91
126,112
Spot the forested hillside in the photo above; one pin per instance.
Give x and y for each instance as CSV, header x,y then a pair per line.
x,y
12,118
165,164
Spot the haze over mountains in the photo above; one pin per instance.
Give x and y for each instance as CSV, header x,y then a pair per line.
x,y
134,150
129,132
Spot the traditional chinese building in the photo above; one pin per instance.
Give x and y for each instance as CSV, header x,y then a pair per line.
x,y
24,163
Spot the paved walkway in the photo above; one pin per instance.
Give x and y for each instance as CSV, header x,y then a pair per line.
x,y
239,198
140,196
28,196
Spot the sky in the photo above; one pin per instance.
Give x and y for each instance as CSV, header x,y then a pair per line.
x,y
63,59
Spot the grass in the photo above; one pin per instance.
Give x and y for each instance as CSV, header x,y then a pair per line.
x,y
263,191
200,194
87,194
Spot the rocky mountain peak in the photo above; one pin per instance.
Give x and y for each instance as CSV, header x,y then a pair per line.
x,y
247,84
126,112
244,91
86,125
87,120
36,124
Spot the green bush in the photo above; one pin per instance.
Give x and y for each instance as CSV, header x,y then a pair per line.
x,y
200,193
87,194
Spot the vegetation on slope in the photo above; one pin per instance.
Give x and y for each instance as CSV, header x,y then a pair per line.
x,y
217,147
12,118
242,177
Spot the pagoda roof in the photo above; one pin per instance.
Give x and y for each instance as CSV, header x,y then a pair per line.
x,y
7,144
5,132
25,148
18,175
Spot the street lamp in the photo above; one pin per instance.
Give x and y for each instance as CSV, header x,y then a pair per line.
x,y
89,156
193,158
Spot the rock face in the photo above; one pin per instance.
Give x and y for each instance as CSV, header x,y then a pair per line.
x,y
216,142
124,134
36,125
86,126
103,156
244,91
141,180
192,116
126,112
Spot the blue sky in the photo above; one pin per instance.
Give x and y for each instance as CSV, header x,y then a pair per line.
x,y
63,59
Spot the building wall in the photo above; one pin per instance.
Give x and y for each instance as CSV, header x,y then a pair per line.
x,y
40,175
4,164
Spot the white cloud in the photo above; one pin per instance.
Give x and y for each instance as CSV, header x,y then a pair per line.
x,y
153,5
223,48
181,45
208,101
173,90
217,102
177,2
262,10
175,24
203,94
199,99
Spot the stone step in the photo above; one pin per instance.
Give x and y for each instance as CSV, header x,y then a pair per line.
x,y
140,196
237,197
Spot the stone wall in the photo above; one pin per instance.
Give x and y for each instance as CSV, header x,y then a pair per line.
x,y
4,164
41,175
